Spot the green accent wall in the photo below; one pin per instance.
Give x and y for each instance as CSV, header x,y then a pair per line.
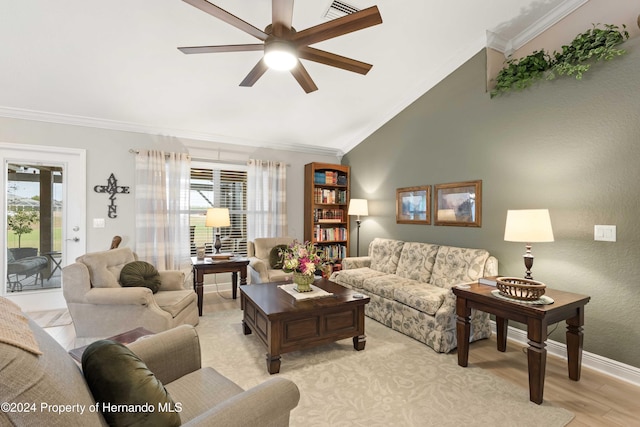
x,y
570,146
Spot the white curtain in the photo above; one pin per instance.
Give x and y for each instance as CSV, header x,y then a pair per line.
x,y
162,209
266,199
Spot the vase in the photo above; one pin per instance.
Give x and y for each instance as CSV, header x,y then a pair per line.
x,y
303,281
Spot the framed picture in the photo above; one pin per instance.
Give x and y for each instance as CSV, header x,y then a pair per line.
x,y
413,205
459,204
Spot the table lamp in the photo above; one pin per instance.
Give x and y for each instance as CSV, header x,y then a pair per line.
x,y
528,225
358,207
217,217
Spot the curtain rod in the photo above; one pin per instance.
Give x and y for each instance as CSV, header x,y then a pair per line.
x,y
228,162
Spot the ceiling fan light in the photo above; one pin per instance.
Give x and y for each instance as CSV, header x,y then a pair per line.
x,y
280,55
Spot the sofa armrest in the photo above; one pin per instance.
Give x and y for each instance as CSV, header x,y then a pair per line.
x,y
172,280
120,296
261,267
267,404
170,354
350,263
77,282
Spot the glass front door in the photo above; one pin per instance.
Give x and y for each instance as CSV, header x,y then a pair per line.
x,y
34,226
44,199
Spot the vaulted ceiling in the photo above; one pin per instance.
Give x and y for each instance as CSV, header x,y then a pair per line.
x,y
115,64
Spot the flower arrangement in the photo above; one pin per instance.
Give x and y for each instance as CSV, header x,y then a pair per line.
x,y
301,258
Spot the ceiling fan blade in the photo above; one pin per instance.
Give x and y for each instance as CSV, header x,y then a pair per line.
x,y
333,60
282,16
222,48
225,16
254,74
338,27
304,79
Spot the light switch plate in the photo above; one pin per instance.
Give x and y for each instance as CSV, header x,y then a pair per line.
x,y
98,222
604,233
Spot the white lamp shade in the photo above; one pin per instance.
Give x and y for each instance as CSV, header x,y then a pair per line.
x,y
528,225
217,217
358,207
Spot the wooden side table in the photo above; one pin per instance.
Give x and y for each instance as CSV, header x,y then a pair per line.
x,y
566,306
209,266
123,338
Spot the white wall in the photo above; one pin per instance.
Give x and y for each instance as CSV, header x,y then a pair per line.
x,y
108,152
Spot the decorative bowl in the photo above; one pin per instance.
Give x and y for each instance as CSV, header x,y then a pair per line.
x,y
523,289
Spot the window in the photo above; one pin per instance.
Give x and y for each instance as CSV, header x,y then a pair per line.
x,y
219,188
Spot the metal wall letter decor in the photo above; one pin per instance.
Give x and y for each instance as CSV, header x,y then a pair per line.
x,y
111,189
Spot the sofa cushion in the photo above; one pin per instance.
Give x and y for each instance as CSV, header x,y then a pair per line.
x,y
417,260
175,302
420,296
385,254
262,245
116,376
458,265
355,277
202,389
104,267
276,256
140,273
383,285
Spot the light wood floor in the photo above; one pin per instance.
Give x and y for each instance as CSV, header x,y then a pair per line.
x,y
596,400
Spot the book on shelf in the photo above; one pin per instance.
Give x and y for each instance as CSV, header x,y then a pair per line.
x,y
329,178
330,234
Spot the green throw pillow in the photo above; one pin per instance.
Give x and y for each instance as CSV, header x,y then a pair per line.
x,y
276,256
126,391
140,273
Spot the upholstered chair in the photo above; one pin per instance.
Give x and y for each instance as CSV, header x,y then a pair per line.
x,y
101,307
262,254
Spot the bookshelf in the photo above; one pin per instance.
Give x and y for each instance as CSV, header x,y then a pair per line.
x,y
326,201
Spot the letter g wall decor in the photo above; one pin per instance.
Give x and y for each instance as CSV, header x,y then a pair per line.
x,y
111,189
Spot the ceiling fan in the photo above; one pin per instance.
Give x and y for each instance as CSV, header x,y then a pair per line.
x,y
283,46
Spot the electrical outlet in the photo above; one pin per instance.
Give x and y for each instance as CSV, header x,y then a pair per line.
x,y
604,233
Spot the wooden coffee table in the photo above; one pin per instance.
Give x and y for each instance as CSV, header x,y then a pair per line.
x,y
285,324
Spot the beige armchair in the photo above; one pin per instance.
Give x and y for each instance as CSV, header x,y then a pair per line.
x,y
260,270
100,307
208,398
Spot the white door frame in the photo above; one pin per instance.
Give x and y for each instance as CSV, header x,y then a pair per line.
x,y
74,232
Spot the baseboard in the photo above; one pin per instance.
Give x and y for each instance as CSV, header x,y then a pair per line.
x,y
599,363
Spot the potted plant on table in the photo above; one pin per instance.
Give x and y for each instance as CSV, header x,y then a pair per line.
x,y
302,260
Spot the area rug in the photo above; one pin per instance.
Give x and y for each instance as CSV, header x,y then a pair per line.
x,y
395,381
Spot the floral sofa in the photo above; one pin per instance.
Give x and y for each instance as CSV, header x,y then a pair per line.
x,y
409,284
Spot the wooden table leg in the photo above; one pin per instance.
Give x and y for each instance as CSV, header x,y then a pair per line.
x,y
359,342
245,328
463,330
273,363
243,275
234,284
536,358
501,331
198,279
574,344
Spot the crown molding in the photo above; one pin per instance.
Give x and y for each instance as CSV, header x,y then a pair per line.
x,y
66,119
507,47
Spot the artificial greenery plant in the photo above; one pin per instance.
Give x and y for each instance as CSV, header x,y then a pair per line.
x,y
596,44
